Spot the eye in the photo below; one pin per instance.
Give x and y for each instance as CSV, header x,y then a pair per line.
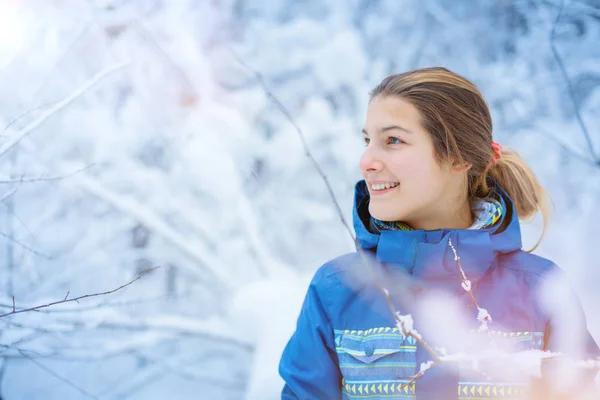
x,y
395,140
366,140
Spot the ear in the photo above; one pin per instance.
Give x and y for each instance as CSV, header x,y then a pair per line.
x,y
461,167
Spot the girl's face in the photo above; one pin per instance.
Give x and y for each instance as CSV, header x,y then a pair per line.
x,y
405,181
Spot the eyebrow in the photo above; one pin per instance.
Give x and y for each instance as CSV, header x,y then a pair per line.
x,y
388,128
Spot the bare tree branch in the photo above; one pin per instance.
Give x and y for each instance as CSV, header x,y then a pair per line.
x,y
23,245
105,304
153,221
19,135
26,113
217,277
77,298
8,194
57,376
42,178
566,148
419,375
175,365
146,35
3,367
134,334
570,89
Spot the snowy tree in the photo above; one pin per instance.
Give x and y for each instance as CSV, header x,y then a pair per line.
x,y
156,134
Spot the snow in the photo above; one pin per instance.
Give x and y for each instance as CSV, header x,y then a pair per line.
x,y
405,325
483,317
183,141
265,312
425,366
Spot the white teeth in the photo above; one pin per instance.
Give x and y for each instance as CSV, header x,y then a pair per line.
x,y
383,186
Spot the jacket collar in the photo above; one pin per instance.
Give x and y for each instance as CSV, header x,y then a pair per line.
x,y
426,255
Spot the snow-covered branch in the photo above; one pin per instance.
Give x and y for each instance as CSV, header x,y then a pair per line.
x,y
41,178
151,220
482,314
16,137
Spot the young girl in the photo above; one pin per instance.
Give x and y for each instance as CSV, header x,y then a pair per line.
x,y
437,213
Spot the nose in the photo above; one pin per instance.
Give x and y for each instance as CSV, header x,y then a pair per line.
x,y
370,161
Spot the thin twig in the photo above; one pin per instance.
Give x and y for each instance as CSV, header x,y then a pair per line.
x,y
572,152
23,245
8,194
100,305
18,136
570,89
54,374
416,336
80,297
147,35
419,375
463,275
24,114
218,277
23,179
307,152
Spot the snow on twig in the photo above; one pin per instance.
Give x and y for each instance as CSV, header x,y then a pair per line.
x,y
155,223
483,316
424,368
41,178
150,219
18,136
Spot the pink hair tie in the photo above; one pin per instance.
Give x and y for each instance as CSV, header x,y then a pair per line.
x,y
497,148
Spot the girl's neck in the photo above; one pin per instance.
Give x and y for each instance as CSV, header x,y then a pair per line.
x,y
445,219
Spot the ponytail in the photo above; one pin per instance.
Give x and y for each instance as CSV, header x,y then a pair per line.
x,y
518,180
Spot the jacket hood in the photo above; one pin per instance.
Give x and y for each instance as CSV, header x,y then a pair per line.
x,y
426,254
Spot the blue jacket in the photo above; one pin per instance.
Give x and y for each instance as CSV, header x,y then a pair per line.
x,y
347,346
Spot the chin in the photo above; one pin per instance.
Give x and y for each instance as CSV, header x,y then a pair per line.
x,y
382,214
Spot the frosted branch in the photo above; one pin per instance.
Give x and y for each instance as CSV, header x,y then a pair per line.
x,y
483,316
41,178
18,136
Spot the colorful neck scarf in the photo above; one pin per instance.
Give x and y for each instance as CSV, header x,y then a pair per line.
x,y
487,214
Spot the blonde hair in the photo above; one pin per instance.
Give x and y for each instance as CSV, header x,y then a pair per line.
x,y
458,119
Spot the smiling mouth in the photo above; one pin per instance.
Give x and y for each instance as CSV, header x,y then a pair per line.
x,y
383,188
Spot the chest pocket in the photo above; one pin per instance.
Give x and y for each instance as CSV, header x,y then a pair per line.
x,y
376,362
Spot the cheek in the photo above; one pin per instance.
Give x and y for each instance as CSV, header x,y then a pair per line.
x,y
414,169
420,177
